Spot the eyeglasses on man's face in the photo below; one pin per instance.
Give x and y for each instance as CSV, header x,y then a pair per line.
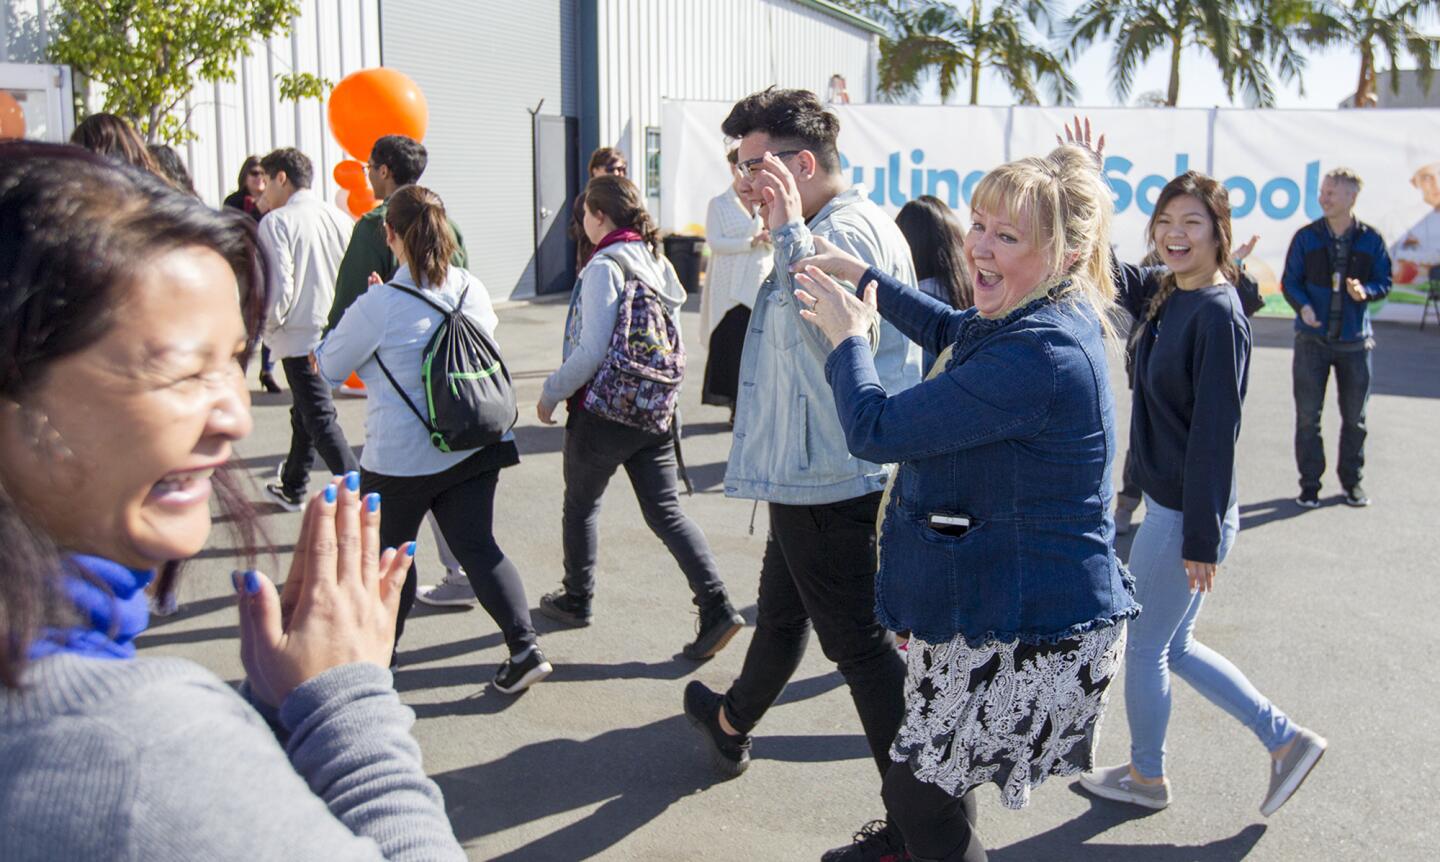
x,y
747,168
616,169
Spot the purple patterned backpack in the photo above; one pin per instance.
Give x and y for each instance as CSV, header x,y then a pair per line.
x,y
639,379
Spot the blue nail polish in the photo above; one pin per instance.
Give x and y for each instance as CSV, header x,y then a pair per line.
x,y
410,549
329,493
372,502
352,480
252,582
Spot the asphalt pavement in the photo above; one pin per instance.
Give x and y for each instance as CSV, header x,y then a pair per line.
x,y
1330,612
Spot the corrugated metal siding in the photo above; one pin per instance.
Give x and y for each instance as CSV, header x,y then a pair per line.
x,y
481,66
700,49
332,38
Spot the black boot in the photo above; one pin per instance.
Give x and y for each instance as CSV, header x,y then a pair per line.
x,y
718,623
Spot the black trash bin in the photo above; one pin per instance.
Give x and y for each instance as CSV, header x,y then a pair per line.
x,y
685,255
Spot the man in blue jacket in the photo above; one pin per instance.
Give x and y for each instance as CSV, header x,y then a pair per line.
x,y
1336,266
789,448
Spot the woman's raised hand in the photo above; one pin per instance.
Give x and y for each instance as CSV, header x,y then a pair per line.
x,y
1080,137
832,307
340,601
834,262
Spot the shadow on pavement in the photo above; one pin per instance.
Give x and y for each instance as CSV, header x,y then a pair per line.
x,y
634,773
1068,840
1254,515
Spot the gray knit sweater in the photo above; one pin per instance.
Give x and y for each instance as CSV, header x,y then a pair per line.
x,y
158,759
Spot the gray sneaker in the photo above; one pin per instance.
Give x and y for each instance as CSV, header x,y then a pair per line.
x,y
1289,772
452,592
1115,782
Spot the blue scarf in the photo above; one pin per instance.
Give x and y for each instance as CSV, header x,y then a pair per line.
x,y
113,609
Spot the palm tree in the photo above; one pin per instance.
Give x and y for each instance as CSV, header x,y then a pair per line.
x,y
1373,26
953,41
1239,34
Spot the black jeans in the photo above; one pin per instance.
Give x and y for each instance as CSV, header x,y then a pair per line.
x,y
1310,372
935,825
819,568
463,500
313,427
594,449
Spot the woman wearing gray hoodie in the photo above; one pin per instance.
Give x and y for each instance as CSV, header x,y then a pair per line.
x,y
595,447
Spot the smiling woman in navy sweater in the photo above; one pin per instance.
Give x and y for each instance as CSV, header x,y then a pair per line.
x,y
1192,358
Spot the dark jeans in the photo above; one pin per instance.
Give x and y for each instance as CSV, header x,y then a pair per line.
x,y
819,568
463,500
594,449
1310,371
313,427
266,362
935,824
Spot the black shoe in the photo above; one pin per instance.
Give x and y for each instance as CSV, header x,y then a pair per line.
x,y
520,672
729,754
1355,496
267,382
562,607
717,624
288,501
877,841
1309,498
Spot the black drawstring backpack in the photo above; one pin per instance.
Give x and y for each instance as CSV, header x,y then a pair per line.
x,y
469,399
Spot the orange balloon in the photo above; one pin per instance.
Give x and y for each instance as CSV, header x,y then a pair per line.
x,y
349,174
360,201
372,103
12,117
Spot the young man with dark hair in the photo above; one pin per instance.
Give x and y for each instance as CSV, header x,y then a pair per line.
x,y
789,449
396,161
1336,266
303,238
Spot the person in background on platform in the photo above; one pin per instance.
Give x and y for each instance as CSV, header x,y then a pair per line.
x,y
789,448
740,260
1336,266
303,238
396,161
125,395
1192,346
937,247
250,188
605,161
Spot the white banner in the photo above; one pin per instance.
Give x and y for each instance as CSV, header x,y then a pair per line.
x,y
1272,162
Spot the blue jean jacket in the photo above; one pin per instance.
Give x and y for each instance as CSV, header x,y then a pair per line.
x,y
788,447
1017,437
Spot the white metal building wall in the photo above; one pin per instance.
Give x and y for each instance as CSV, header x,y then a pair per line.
x,y
331,38
651,50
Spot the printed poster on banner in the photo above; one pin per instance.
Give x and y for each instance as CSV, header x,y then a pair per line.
x,y
1272,162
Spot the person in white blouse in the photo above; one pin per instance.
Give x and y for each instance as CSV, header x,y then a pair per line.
x,y
741,258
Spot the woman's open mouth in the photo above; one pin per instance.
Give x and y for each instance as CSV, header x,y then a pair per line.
x,y
183,488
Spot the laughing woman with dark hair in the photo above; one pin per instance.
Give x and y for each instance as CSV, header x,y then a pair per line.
x,y
127,312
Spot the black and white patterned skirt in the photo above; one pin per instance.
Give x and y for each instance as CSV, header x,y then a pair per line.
x,y
1009,713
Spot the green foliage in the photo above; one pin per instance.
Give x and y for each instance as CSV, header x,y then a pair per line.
x,y
1241,36
1371,27
956,43
150,54
303,85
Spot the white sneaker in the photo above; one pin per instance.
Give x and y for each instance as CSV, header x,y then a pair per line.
x,y
452,592
1116,782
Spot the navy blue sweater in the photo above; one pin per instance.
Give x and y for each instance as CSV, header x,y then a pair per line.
x,y
1192,367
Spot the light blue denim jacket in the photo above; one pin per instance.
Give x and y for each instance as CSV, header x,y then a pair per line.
x,y
788,445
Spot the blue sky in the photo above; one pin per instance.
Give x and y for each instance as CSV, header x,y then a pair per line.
x,y
1329,77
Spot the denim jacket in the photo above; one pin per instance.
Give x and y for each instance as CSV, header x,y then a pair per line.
x,y
788,446
1017,436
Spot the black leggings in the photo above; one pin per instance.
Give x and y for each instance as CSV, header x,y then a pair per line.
x,y
463,500
937,827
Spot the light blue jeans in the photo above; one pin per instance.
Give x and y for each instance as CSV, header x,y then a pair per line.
x,y
1162,640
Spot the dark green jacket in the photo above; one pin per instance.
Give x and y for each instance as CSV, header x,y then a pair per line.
x,y
367,253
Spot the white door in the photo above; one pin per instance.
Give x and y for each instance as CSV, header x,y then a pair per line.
x,y
36,101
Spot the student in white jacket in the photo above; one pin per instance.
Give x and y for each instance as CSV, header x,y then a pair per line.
x,y
304,239
616,222
741,258
399,462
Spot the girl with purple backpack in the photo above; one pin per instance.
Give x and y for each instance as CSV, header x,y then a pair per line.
x,y
622,362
